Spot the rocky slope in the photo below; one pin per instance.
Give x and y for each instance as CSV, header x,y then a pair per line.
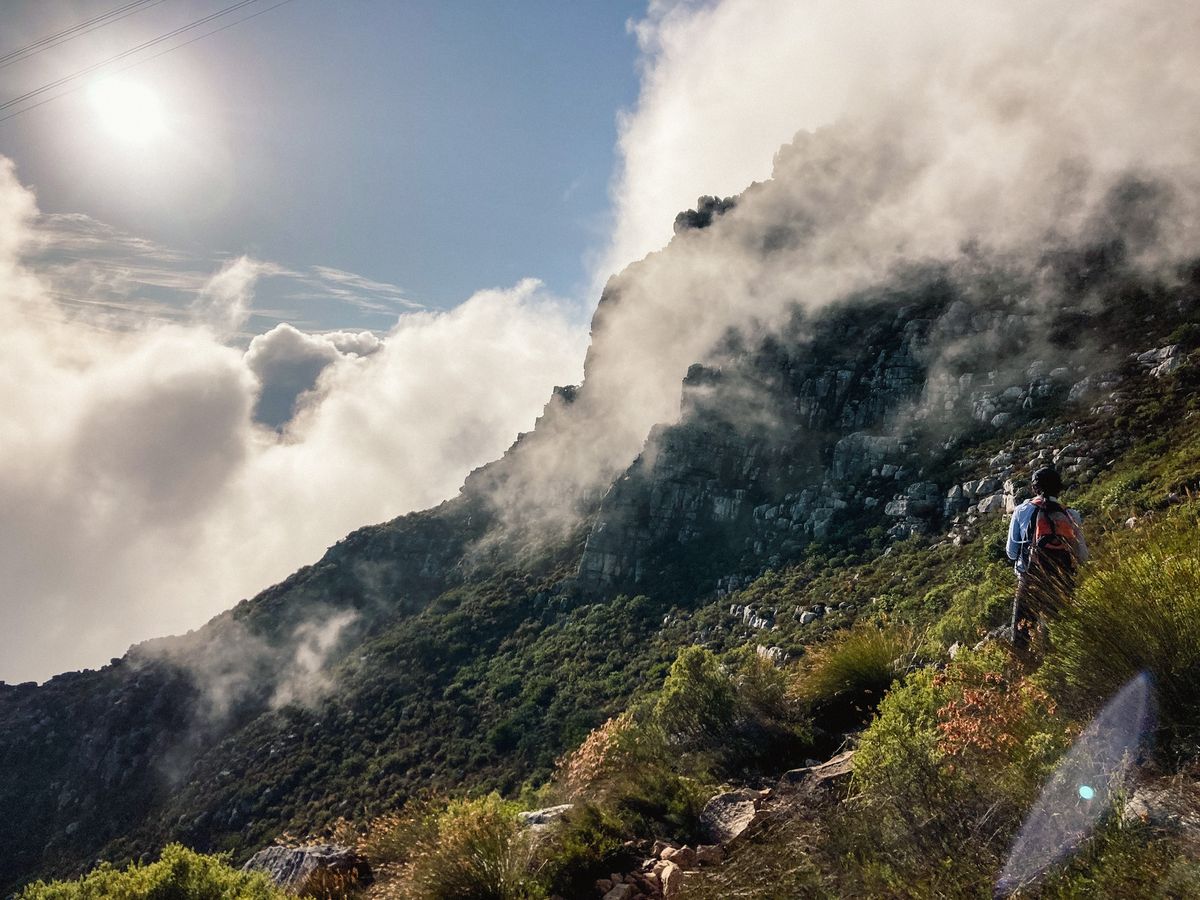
x,y
434,650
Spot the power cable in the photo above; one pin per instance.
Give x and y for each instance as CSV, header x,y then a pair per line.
x,y
68,34
59,82
139,62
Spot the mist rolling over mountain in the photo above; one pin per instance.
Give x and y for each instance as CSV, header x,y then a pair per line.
x,y
806,403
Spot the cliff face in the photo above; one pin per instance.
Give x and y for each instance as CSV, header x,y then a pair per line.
x,y
371,673
849,420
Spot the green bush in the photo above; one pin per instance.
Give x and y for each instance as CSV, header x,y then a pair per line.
x,y
952,760
179,874
1127,861
697,702
853,670
1137,609
588,844
472,850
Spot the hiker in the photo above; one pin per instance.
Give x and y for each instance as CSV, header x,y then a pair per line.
x,y
1045,543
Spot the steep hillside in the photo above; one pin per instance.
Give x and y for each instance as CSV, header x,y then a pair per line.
x,y
826,461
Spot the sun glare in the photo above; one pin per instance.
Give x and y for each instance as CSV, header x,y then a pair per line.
x,y
129,110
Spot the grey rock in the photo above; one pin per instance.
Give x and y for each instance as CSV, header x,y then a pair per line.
x,y
1153,357
295,869
543,818
1167,367
620,892
728,815
990,506
1166,804
828,774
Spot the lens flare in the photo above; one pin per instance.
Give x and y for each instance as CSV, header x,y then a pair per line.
x,y
1080,791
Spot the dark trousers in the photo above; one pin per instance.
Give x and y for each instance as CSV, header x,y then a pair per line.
x,y
1040,595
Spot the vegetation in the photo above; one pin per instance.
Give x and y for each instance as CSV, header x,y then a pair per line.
x,y
179,874
1137,610
852,671
471,850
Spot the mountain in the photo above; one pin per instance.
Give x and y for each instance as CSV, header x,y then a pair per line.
x,y
747,429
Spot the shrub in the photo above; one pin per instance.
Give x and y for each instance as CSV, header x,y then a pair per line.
x,y
1127,861
851,672
1136,610
628,768
588,844
390,838
999,727
178,874
952,760
472,850
605,753
697,702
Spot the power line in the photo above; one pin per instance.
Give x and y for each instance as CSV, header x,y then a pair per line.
x,y
82,28
59,82
139,62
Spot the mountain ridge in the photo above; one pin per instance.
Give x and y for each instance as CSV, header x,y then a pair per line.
x,y
374,670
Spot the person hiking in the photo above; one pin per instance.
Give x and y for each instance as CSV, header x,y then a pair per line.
x,y
1046,545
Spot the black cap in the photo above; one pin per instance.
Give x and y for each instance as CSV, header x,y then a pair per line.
x,y
1047,481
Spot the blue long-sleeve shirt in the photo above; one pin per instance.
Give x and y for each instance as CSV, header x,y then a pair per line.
x,y
1018,529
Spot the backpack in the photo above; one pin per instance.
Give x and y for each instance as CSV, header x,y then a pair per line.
x,y
1052,538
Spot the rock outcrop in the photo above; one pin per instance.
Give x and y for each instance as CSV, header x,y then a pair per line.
x,y
316,870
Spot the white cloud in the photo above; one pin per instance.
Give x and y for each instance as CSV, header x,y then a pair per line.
x,y
992,91
288,363
224,302
137,496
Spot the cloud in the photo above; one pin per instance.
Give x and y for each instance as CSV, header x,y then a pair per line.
x,y
116,280
916,134
139,497
224,302
288,363
376,296
993,91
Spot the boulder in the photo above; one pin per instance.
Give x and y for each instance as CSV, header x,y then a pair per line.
x,y
727,815
297,870
659,847
671,878
684,857
619,892
992,505
540,819
828,774
1167,366
1167,805
1158,355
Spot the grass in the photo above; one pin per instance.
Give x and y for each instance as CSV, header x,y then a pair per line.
x,y
850,673
471,850
1137,609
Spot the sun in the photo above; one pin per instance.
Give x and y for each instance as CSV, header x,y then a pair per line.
x,y
129,110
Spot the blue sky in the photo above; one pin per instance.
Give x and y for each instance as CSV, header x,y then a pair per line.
x,y
440,147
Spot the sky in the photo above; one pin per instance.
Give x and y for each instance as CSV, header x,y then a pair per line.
x,y
364,241
438,147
